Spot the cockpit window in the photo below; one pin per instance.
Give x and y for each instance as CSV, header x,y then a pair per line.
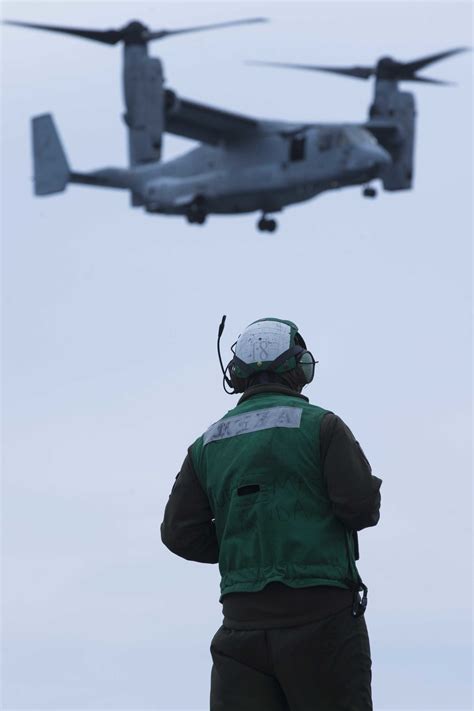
x,y
359,135
341,138
332,138
325,140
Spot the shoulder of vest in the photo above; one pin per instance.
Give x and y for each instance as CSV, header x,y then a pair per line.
x,y
279,399
317,408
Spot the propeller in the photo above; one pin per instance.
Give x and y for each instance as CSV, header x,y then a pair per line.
x,y
386,68
132,33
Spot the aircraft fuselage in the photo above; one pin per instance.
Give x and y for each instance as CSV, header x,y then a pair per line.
x,y
279,167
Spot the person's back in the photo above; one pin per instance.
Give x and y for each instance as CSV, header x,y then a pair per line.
x,y
279,488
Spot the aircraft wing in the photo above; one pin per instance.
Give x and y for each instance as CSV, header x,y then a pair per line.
x,y
205,123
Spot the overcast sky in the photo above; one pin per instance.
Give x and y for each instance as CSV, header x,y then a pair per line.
x,y
110,318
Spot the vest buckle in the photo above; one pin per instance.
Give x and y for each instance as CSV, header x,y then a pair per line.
x,y
359,604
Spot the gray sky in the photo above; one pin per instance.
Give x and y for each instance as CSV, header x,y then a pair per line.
x,y
110,318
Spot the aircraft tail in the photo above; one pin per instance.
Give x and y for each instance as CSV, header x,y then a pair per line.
x,y
51,169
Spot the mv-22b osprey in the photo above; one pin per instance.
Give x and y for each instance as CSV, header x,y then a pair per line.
x,y
242,164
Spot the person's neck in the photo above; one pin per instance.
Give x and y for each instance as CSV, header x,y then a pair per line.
x,y
270,388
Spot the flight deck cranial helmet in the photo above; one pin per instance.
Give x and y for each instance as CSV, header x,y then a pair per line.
x,y
269,345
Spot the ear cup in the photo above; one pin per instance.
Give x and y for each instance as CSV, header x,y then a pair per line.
x,y
238,383
306,367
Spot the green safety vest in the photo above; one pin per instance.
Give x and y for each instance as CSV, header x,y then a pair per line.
x,y
261,468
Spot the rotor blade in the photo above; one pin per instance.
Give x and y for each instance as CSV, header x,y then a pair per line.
x,y
424,61
357,72
161,34
106,36
426,80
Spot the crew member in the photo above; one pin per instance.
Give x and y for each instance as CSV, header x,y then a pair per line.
x,y
275,493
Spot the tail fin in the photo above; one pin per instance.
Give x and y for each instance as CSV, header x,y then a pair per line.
x,y
51,169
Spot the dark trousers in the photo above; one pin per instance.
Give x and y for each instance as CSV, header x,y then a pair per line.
x,y
321,666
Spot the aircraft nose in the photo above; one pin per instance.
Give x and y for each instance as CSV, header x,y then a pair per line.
x,y
377,157
368,159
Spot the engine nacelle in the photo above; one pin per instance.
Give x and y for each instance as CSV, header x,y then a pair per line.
x,y
144,99
397,108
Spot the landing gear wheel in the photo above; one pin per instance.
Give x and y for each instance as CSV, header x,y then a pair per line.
x,y
195,217
196,213
266,225
369,192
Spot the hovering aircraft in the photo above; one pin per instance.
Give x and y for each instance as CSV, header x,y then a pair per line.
x,y
242,164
